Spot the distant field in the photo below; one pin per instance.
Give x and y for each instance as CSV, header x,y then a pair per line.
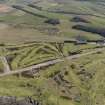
x,y
22,26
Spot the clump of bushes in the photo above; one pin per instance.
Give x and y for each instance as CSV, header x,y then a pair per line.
x,y
79,19
53,21
96,30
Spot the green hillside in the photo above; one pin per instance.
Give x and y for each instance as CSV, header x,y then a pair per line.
x,y
61,43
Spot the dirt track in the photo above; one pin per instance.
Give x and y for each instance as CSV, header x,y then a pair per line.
x,y
48,63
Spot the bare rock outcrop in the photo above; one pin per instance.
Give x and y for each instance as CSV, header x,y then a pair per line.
x,y
14,101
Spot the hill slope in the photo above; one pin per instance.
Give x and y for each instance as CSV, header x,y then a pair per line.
x,y
33,32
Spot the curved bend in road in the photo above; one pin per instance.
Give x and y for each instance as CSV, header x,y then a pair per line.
x,y
48,63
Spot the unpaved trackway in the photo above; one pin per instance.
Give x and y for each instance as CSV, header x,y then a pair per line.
x,y
48,63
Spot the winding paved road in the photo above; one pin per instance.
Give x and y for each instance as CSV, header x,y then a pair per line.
x,y
48,63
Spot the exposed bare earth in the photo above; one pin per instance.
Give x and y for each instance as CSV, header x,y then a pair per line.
x,y
5,8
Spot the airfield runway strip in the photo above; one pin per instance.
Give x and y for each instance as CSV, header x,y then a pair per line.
x,y
48,63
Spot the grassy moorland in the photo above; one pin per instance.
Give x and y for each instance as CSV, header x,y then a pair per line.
x,y
33,32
